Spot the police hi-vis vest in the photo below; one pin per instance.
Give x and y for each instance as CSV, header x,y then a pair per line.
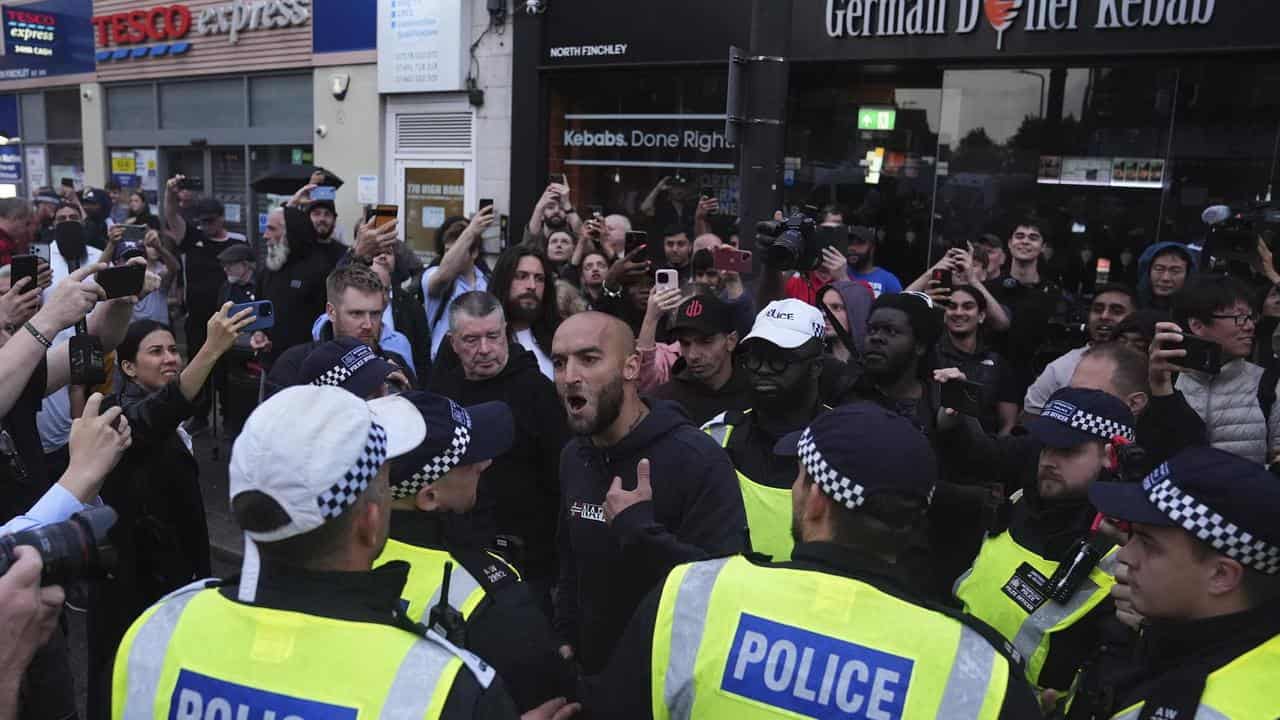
x,y
426,576
736,640
1006,589
197,655
768,508
1243,689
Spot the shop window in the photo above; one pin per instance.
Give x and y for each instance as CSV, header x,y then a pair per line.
x,y
62,114
1084,148
262,160
131,107
1225,141
66,161
202,104
32,109
617,134
280,101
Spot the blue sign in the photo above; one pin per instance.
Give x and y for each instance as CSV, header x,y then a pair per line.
x,y
10,164
814,675
344,25
197,696
52,37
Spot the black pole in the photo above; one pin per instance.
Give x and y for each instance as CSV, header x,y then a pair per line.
x,y
764,132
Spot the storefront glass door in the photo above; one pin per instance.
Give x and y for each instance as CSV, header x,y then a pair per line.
x,y
429,192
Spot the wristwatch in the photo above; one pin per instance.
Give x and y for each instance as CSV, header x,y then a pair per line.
x,y
615,294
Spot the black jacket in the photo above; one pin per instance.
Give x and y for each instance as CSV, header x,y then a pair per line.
x,y
696,512
297,290
519,493
409,315
370,597
624,689
161,539
508,629
702,403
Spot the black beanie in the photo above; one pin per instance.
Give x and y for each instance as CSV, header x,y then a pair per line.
x,y
926,323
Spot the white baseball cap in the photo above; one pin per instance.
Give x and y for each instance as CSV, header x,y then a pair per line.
x,y
314,450
788,324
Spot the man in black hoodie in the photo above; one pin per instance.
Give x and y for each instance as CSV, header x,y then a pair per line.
x,y
642,490
293,280
518,494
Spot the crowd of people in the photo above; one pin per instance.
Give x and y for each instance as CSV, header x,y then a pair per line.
x,y
609,472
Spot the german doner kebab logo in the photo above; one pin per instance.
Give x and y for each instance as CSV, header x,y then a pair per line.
x,y
1001,14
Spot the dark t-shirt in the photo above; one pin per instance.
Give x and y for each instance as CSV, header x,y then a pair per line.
x,y
1030,307
22,472
204,272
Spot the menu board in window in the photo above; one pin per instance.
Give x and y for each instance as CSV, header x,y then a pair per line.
x,y
430,196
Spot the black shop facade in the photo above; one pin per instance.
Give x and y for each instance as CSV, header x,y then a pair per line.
x,y
1117,120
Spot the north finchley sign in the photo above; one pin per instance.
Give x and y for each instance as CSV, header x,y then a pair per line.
x,y
577,51
890,18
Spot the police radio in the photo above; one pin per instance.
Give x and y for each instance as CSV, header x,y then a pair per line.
x,y
88,360
444,618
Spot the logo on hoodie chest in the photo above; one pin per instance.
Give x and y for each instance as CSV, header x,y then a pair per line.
x,y
587,511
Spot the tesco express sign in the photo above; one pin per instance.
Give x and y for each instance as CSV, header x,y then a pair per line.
x,y
167,23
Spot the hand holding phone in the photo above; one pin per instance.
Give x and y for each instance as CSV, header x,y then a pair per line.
x,y
1201,355
635,239
727,258
263,313
24,266
122,281
943,277
324,192
963,396
666,279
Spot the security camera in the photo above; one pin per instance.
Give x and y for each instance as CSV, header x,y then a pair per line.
x,y
535,7
321,130
338,85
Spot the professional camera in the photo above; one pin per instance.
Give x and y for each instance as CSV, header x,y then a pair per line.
x,y
789,244
72,550
1231,246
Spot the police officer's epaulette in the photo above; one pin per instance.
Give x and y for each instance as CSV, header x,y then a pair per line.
x,y
489,569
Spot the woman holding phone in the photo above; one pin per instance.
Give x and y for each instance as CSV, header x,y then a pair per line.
x,y
161,538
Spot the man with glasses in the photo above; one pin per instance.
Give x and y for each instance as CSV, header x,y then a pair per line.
x,y
1228,403
782,360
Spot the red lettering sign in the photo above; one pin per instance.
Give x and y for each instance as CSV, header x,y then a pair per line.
x,y
163,22
30,17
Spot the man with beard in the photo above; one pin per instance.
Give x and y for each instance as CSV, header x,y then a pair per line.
x,y
901,330
839,628
782,361
519,493
961,347
521,278
642,490
1111,305
862,262
677,249
324,219
705,380
294,282
553,212
1018,584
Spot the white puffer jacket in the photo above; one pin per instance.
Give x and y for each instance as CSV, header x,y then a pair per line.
x,y
1228,404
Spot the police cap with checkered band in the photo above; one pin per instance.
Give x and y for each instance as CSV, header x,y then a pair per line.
x,y
1075,416
1224,500
863,449
455,436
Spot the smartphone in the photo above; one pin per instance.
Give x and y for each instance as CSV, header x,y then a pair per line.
x,y
384,214
666,280
945,278
191,182
1103,275
134,233
595,211
728,258
557,179
24,266
836,236
264,314
122,281
1202,355
324,192
484,203
963,396
634,239
68,183
707,192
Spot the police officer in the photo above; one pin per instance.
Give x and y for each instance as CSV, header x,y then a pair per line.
x,y
836,631
1019,584
310,631
487,607
782,356
1203,561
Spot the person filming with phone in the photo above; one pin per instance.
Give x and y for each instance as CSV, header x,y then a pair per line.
x,y
161,538
1208,391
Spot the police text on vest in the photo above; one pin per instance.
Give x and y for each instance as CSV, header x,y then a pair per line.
x,y
200,697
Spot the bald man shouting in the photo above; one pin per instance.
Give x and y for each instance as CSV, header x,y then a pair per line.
x,y
641,488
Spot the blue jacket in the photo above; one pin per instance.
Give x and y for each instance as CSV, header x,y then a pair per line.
x,y
1144,268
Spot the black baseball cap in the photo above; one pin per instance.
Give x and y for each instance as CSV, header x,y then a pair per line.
x,y
456,436
346,363
1226,501
703,314
1075,416
862,449
238,252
